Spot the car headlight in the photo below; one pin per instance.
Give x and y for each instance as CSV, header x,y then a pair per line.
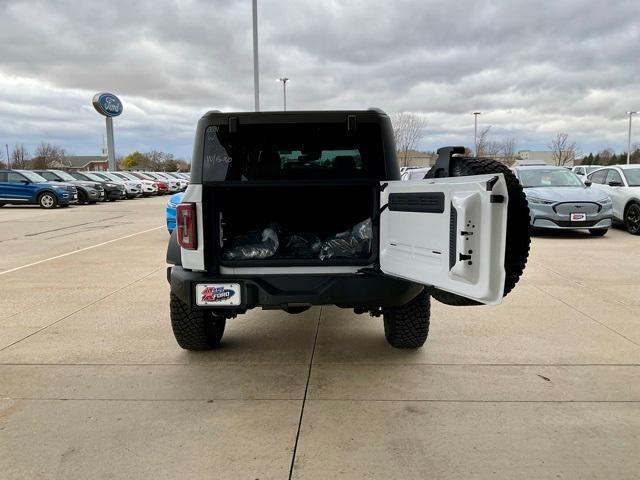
x,y
606,201
540,201
60,187
111,185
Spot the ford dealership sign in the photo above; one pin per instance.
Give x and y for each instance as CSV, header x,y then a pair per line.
x,y
107,104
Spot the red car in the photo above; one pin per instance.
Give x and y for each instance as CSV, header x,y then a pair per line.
x,y
163,188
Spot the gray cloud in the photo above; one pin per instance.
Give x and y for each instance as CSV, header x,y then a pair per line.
x,y
532,68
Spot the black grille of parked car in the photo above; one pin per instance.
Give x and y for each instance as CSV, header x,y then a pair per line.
x,y
71,189
569,223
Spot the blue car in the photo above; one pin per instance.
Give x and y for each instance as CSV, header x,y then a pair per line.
x,y
173,202
24,187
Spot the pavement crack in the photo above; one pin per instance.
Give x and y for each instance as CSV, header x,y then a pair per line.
x,y
304,399
83,307
589,316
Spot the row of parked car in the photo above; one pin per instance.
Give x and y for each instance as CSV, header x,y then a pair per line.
x,y
57,188
587,197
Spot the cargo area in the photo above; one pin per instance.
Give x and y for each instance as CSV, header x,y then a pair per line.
x,y
281,224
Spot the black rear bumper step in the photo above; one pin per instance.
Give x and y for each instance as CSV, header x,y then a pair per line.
x,y
278,291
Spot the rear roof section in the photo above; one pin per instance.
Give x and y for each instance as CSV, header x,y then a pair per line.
x,y
233,121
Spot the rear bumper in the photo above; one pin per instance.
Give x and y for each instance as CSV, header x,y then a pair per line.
x,y
279,291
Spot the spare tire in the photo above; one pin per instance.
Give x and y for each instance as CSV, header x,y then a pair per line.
x,y
518,236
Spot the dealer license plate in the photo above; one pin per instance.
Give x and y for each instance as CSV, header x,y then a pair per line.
x,y
578,217
214,294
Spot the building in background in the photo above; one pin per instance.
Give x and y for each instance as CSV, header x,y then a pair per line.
x,y
92,163
538,157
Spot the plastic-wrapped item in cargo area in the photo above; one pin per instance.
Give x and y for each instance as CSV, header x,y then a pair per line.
x,y
352,243
254,245
301,245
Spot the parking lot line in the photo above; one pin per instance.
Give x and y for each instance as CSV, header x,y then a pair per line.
x,y
21,267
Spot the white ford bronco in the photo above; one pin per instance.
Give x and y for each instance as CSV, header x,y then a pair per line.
x,y
286,210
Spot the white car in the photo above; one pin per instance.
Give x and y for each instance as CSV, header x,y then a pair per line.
x,y
133,189
148,187
181,181
178,176
414,173
583,170
175,185
622,183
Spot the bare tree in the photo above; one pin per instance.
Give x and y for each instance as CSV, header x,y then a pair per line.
x,y
508,150
563,151
3,164
19,157
486,146
48,156
408,130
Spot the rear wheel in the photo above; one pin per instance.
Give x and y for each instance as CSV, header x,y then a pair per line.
x,y
408,326
47,200
632,219
195,329
518,236
82,197
598,232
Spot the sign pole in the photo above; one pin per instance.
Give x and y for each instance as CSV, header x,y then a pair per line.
x,y
111,154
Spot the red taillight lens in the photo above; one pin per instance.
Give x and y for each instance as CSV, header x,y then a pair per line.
x,y
186,221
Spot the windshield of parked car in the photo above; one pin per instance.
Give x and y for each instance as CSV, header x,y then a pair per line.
x,y
64,176
32,176
633,176
549,177
121,176
104,176
93,176
112,176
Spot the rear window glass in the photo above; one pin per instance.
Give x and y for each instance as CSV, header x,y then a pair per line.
x,y
293,152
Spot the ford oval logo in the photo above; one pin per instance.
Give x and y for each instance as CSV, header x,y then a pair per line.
x,y
107,104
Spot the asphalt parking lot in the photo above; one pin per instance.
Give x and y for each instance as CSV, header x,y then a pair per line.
x,y
93,385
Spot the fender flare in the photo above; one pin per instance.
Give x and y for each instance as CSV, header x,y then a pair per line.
x,y
174,254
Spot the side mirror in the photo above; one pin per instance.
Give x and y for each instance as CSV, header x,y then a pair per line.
x,y
588,183
25,182
615,184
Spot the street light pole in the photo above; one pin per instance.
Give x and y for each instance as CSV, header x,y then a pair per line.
x,y
475,132
256,77
284,81
6,145
629,139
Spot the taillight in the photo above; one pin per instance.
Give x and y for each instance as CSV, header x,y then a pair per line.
x,y
186,221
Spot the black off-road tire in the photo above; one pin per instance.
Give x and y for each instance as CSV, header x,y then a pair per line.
x,y
195,329
82,197
408,326
598,232
518,235
631,216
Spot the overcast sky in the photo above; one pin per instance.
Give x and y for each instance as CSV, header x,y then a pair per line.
x,y
532,67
